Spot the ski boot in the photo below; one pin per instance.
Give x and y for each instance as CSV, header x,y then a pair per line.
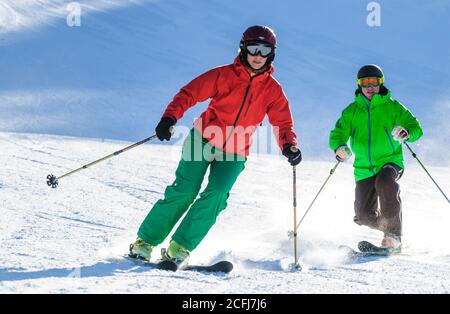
x,y
176,254
392,242
141,250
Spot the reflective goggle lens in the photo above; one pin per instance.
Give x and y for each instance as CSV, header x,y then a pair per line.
x,y
262,49
370,81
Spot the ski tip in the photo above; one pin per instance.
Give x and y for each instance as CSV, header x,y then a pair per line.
x,y
371,249
226,266
220,267
364,244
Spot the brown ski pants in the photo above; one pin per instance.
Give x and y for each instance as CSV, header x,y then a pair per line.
x,y
377,201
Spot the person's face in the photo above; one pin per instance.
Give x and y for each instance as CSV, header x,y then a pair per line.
x,y
370,91
256,62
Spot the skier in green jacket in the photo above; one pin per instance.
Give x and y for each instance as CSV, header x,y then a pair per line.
x,y
376,125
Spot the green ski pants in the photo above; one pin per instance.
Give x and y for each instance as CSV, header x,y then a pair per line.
x,y
197,156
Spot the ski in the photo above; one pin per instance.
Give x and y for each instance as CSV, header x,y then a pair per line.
x,y
369,248
167,265
219,267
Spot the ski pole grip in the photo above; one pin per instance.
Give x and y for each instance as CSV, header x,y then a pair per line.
x,y
172,130
294,149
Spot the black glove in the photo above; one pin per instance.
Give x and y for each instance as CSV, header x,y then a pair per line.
x,y
163,128
293,154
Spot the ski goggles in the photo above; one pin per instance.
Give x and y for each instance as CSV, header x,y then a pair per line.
x,y
264,50
370,81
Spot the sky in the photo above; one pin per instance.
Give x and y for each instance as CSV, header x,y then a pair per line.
x,y
113,76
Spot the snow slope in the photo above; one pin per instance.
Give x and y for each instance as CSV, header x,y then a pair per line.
x,y
71,239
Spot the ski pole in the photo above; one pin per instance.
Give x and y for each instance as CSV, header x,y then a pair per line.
x,y
415,156
323,185
53,181
294,176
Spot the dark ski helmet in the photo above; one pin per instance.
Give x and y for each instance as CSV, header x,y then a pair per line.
x,y
257,33
370,70
260,33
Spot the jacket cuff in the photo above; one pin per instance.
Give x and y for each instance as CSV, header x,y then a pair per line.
x,y
339,146
170,117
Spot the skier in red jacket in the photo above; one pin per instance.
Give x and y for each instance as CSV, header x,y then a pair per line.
x,y
241,95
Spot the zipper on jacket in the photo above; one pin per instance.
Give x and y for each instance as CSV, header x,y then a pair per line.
x,y
239,112
353,137
248,106
243,102
370,134
370,140
390,140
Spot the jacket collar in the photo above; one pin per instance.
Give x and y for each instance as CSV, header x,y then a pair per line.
x,y
241,71
377,99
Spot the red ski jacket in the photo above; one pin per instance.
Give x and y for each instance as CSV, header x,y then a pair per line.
x,y
239,104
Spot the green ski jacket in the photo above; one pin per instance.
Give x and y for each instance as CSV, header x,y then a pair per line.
x,y
368,125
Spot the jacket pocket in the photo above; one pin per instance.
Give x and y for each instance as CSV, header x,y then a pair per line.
x,y
389,138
